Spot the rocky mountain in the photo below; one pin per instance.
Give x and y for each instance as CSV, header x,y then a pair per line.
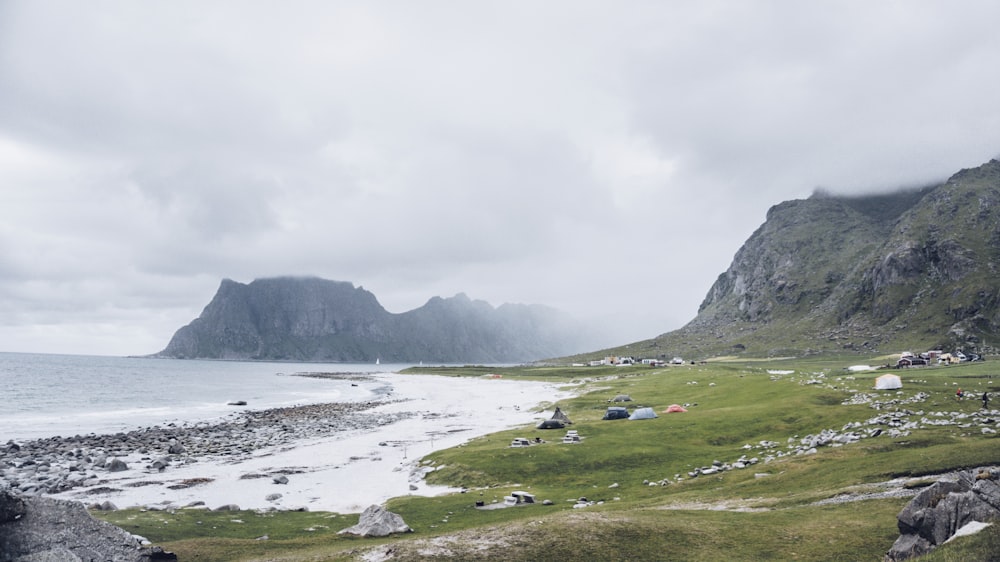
x,y
312,319
913,269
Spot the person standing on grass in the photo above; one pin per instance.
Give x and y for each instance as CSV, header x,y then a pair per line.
x,y
986,399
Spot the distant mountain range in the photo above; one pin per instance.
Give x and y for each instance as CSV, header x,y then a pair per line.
x,y
915,269
312,319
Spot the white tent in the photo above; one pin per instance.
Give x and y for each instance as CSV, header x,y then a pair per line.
x,y
888,382
643,414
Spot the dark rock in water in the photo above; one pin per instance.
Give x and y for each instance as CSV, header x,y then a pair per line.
x,y
62,531
937,512
237,403
280,479
176,449
376,521
117,465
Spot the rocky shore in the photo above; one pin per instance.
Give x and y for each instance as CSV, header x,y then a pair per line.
x,y
339,457
59,464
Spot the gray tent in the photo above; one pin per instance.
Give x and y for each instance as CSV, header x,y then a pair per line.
x,y
559,415
643,414
615,413
551,424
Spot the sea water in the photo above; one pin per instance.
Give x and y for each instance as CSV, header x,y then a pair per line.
x,y
45,395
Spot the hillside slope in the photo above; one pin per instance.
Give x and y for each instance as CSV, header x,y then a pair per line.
x,y
914,269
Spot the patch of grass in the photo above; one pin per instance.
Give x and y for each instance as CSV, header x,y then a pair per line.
x,y
809,533
194,523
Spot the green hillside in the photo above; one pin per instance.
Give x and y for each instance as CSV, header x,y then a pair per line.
x,y
911,270
650,487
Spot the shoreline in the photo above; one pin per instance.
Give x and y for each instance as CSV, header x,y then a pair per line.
x,y
340,456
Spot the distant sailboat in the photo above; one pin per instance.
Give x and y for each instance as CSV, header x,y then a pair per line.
x,y
377,361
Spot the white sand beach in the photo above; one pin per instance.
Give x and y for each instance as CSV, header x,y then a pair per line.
x,y
344,472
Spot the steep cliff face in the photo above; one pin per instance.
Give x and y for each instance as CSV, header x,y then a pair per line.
x,y
792,263
937,270
911,269
311,319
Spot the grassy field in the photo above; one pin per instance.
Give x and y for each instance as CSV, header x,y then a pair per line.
x,y
644,505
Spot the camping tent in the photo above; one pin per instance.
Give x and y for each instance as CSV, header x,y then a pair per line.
x,y
559,415
616,413
622,398
888,382
551,424
674,408
643,414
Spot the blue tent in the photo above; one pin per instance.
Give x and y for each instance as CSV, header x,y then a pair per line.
x,y
616,413
643,414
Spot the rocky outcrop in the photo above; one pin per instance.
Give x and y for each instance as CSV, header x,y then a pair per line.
x,y
936,513
311,319
40,529
869,273
377,521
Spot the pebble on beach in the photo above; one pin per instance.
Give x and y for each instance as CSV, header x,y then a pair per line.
x,y
59,464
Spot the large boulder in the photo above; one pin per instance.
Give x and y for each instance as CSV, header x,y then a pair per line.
x,y
45,529
11,506
377,521
936,513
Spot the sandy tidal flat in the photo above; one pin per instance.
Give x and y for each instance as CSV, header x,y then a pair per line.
x,y
343,471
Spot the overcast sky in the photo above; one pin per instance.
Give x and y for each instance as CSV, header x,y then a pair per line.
x,y
604,158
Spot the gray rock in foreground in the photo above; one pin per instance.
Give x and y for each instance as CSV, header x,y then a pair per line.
x,y
936,513
376,521
42,529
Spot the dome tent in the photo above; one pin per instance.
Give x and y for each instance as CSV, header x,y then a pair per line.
x,y
615,413
888,382
643,414
551,424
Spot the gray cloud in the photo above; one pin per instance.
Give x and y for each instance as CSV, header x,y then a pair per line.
x,y
605,159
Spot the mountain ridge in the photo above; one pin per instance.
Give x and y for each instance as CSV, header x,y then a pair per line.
x,y
314,319
873,274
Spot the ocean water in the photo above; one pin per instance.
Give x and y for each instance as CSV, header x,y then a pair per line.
x,y
46,395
